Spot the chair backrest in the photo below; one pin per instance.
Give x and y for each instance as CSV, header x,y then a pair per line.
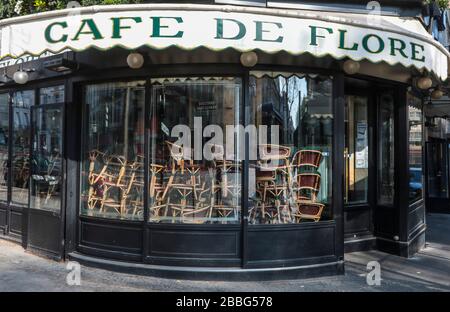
x,y
307,158
309,181
274,152
308,185
115,167
314,211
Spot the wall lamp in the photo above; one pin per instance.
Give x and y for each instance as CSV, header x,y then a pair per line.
x,y
351,67
424,83
249,59
20,77
135,60
437,93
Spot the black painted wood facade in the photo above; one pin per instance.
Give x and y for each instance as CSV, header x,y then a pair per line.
x,y
318,246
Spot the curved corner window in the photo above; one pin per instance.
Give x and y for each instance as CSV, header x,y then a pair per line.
x,y
291,154
113,151
415,135
195,153
22,102
4,136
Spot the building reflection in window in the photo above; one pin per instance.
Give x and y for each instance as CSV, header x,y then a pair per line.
x,y
46,160
356,150
198,181
113,165
4,136
385,166
290,180
415,120
22,102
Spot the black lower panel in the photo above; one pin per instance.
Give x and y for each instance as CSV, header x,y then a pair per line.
x,y
15,219
111,239
194,245
44,232
357,221
2,218
386,222
438,205
299,244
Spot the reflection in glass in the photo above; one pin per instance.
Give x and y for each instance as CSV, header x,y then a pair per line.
x,y
356,150
51,95
386,150
438,160
22,103
415,148
4,135
46,162
113,164
195,177
290,179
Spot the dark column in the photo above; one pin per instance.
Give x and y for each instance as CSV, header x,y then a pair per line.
x,y
338,162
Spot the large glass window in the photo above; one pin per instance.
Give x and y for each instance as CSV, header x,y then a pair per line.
x,y
415,148
22,104
386,154
51,95
438,160
195,171
291,168
4,136
113,152
356,150
46,161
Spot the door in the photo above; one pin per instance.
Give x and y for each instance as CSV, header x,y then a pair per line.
x,y
357,205
45,204
438,175
4,162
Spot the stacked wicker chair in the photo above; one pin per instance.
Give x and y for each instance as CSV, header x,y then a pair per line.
x,y
273,180
286,189
306,185
182,191
225,186
111,179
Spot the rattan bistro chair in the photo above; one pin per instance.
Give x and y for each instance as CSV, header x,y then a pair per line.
x,y
306,188
307,158
309,211
118,179
97,168
273,180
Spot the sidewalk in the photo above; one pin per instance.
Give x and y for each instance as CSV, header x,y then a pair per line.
x,y
429,270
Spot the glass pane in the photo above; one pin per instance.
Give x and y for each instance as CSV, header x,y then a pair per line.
x,y
291,160
437,155
195,169
356,150
52,95
22,103
415,148
4,135
46,162
112,178
386,150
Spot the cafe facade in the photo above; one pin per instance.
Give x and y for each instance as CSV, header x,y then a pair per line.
x,y
214,141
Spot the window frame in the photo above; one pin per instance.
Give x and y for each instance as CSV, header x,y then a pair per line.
x,y
222,70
